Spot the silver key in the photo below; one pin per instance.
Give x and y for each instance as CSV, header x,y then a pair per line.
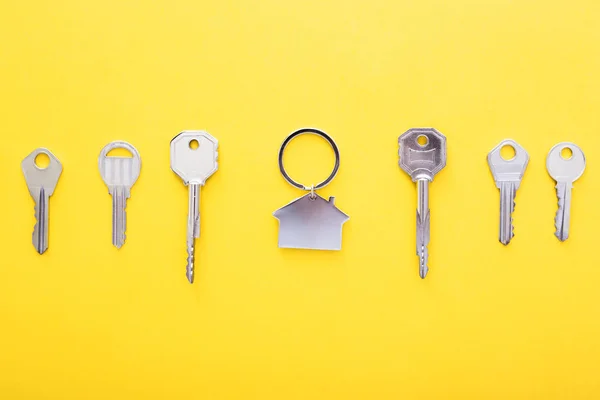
x,y
194,160
564,171
119,174
422,156
41,183
507,175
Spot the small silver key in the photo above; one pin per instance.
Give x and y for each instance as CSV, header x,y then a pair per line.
x,y
194,159
41,183
507,175
565,171
422,156
119,174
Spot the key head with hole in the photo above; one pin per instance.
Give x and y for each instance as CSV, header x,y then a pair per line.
x,y
565,169
37,177
194,156
119,171
422,153
511,170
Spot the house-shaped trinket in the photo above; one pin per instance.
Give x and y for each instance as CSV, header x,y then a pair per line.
x,y
311,222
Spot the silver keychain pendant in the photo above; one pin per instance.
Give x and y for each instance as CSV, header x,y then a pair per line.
x,y
310,222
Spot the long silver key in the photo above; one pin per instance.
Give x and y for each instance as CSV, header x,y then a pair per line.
x,y
422,156
41,182
119,174
507,175
194,159
564,170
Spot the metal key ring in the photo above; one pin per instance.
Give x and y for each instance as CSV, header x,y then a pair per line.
x,y
325,136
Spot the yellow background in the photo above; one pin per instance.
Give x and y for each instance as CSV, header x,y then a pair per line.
x,y
86,321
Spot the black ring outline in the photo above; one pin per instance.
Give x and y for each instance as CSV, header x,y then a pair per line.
x,y
317,132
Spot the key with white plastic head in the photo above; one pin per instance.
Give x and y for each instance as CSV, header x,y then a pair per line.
x,y
119,174
422,156
194,160
41,182
564,170
508,174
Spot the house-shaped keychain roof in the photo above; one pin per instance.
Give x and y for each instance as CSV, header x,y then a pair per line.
x,y
311,223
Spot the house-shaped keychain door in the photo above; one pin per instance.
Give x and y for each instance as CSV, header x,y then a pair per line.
x,y
311,222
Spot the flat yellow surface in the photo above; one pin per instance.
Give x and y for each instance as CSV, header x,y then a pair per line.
x,y
86,321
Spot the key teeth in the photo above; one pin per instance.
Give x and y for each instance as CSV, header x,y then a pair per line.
x,y
512,223
36,236
423,268
120,239
422,243
36,227
558,219
120,242
189,271
511,234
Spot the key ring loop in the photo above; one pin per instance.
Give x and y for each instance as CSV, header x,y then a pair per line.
x,y
325,136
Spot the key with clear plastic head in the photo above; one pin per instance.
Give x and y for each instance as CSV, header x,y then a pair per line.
x,y
508,174
565,170
41,182
422,156
194,160
119,174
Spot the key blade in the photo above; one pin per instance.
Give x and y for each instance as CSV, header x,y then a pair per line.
x,y
508,191
119,215
563,214
423,226
40,230
193,228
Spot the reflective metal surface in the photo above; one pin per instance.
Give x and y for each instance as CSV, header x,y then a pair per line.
x,y
422,155
507,175
41,183
119,174
564,171
194,159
